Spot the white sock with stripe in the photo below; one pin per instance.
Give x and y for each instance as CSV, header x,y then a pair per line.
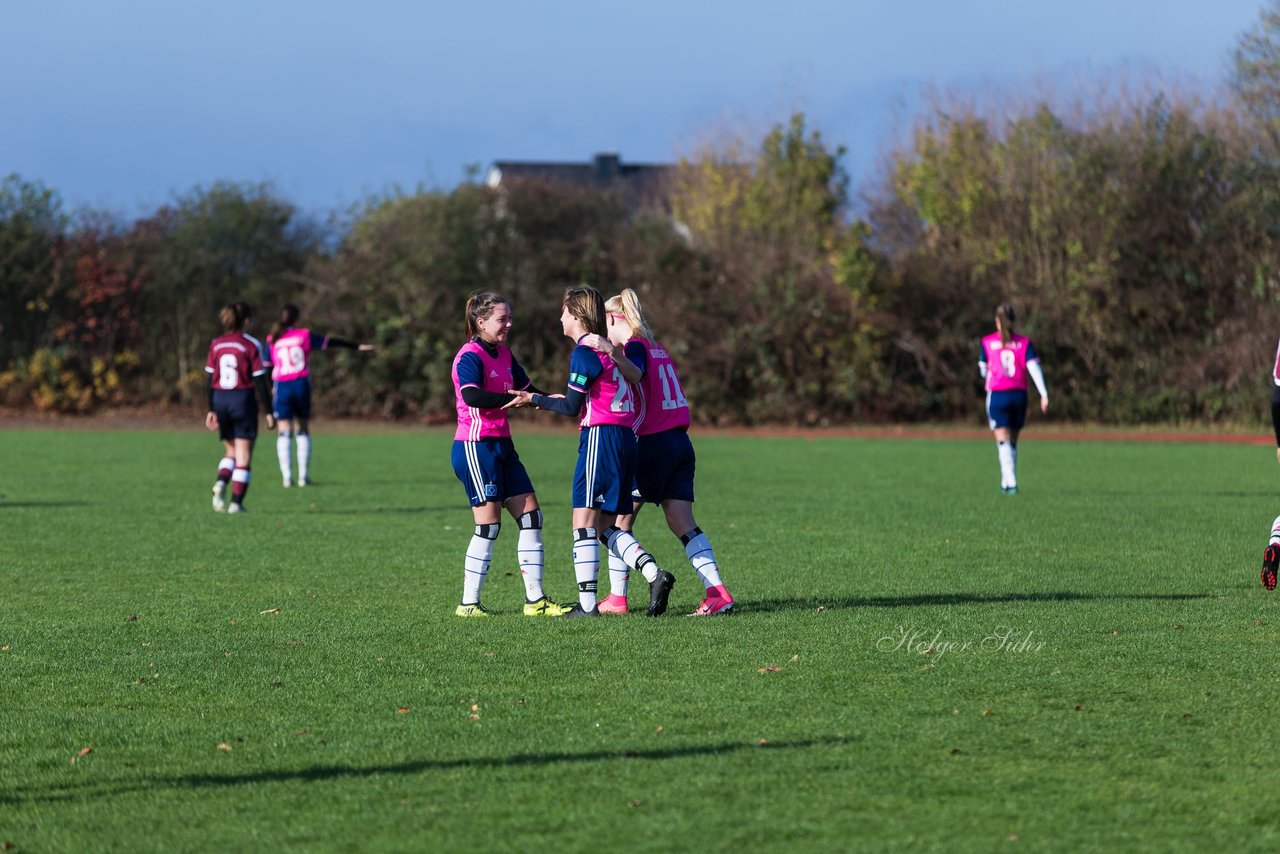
x,y
619,575
697,547
586,565
284,455
529,554
476,564
304,456
629,550
1004,451
1275,532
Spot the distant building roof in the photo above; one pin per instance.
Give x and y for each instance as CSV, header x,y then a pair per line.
x,y
641,183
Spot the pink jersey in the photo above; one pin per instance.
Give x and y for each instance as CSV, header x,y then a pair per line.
x,y
476,424
1275,373
662,402
610,399
234,360
1007,363
289,354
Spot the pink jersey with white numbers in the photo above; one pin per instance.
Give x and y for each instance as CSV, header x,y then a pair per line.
x,y
662,402
289,354
1006,363
476,424
610,400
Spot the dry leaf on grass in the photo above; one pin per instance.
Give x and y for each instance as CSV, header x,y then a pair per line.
x,y
270,611
772,668
222,745
5,648
81,753
403,710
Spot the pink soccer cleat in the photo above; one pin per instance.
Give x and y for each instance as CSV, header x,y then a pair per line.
x,y
612,604
718,601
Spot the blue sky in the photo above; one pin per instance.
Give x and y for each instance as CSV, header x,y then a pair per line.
x,y
121,105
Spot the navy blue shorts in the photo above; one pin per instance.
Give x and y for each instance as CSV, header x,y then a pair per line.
x,y
1007,409
237,412
293,399
606,469
664,467
490,470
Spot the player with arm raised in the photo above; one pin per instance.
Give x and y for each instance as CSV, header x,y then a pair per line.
x,y
665,457
1006,360
485,459
600,394
291,348
236,370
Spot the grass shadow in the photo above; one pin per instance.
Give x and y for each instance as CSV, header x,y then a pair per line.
x,y
7,504
339,772
808,603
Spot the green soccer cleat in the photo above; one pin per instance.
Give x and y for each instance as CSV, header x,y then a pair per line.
x,y
544,607
474,610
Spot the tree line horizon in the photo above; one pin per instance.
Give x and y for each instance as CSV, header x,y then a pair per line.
x,y
1137,231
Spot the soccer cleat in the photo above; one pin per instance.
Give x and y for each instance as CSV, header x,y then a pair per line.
x,y
544,607
613,604
236,507
577,611
1009,490
287,483
305,481
219,496
473,610
659,592
718,601
1270,563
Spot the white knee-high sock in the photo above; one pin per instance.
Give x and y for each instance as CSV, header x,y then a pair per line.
x,y
619,576
629,550
284,454
476,565
697,547
304,456
1275,532
529,554
586,565
1013,455
1004,451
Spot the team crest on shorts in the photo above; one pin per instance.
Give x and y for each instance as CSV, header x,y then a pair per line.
x,y
490,490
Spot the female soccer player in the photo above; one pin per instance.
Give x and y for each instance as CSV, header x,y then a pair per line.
x,y
236,369
600,392
1005,362
485,459
665,458
290,348
1271,557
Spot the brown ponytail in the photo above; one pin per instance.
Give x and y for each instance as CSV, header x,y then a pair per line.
x,y
288,317
1006,316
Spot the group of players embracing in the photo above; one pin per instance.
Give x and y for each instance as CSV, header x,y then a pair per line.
x,y
633,449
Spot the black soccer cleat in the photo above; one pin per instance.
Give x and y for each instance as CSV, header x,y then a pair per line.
x,y
659,593
576,611
1270,563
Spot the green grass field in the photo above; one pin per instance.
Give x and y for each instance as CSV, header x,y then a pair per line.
x,y
918,662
